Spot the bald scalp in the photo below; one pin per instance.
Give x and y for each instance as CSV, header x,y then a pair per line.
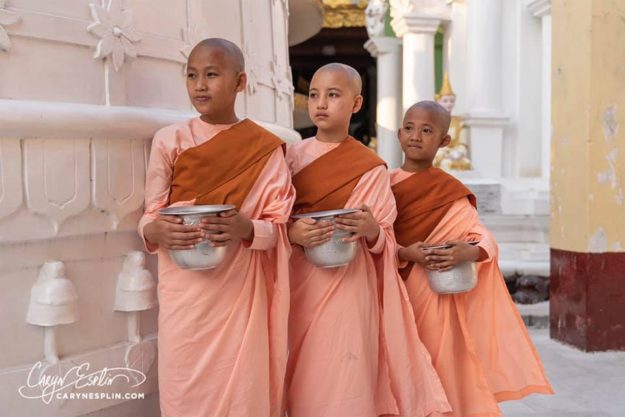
x,y
230,50
350,74
443,117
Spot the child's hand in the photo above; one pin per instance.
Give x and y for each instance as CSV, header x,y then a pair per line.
x,y
415,253
362,224
445,259
227,226
170,233
308,232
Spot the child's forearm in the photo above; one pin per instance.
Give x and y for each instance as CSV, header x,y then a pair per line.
x,y
403,254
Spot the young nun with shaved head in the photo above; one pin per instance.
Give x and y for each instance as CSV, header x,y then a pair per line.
x,y
222,341
354,349
479,344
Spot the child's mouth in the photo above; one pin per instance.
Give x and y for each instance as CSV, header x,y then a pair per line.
x,y
202,98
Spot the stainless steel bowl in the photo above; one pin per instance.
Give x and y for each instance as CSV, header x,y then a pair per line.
x,y
203,256
459,279
333,253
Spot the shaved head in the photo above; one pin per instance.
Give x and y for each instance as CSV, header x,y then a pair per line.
x,y
443,117
231,52
349,73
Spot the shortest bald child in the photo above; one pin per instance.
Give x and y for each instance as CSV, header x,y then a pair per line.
x,y
354,349
480,346
222,331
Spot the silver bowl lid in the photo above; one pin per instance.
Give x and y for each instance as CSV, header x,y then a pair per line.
x,y
325,213
203,209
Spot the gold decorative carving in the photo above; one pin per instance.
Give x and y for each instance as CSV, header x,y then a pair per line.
x,y
344,13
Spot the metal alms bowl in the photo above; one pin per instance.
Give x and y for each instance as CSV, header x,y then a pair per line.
x,y
203,256
459,279
335,252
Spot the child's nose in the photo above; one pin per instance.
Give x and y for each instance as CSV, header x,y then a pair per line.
x,y
200,85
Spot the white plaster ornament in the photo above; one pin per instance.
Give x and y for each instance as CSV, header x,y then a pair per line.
x,y
113,25
135,293
53,301
375,14
7,18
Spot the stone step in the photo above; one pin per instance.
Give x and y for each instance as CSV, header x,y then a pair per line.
x,y
535,316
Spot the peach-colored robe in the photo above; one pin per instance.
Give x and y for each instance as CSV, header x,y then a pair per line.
x,y
223,332
354,350
478,341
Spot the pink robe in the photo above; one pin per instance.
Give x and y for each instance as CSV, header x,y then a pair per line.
x,y
478,341
354,350
223,332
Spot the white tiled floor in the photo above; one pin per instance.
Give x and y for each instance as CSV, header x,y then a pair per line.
x,y
586,384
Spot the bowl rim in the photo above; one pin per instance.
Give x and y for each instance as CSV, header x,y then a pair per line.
x,y
200,209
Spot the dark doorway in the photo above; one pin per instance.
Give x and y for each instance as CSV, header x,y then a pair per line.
x,y
343,45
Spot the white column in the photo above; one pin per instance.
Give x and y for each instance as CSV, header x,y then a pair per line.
x,y
387,50
485,117
417,33
542,10
546,97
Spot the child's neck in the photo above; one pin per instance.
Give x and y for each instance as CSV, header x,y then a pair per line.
x,y
220,119
416,166
334,136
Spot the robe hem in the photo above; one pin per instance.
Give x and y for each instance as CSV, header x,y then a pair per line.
x,y
522,393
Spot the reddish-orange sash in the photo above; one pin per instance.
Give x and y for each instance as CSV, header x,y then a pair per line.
x,y
327,182
224,169
423,199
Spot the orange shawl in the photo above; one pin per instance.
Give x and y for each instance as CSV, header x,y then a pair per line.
x,y
423,199
327,182
224,169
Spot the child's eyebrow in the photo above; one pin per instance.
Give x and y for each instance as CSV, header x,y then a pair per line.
x,y
335,89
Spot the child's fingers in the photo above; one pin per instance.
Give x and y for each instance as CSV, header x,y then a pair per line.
x,y
439,252
438,258
320,232
171,219
228,213
181,228
216,220
349,221
351,239
306,220
219,237
216,227
185,236
352,229
316,241
179,247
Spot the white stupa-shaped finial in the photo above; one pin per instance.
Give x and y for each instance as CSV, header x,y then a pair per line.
x,y
135,292
53,298
135,285
53,301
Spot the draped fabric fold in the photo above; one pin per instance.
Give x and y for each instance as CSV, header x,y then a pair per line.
x,y
223,332
478,341
354,349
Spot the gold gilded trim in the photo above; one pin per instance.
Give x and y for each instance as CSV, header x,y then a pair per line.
x,y
344,13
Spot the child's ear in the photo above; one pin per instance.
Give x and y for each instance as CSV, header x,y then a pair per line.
x,y
446,140
241,82
357,104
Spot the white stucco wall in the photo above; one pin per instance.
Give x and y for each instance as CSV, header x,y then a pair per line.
x,y
74,141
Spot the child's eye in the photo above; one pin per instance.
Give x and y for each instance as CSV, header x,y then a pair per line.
x,y
427,130
212,74
312,95
190,76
